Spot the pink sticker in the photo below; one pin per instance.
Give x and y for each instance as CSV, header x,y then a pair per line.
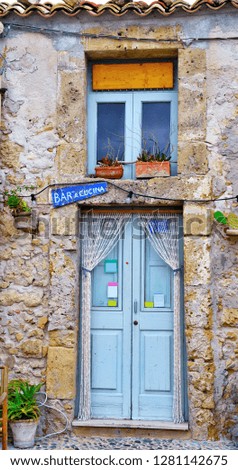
x,y
113,284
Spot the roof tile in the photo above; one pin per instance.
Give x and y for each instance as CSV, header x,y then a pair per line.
x,y
47,8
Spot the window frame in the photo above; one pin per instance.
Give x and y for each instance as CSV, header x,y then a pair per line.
x,y
133,100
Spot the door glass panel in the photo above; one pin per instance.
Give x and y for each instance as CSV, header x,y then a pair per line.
x,y
157,279
111,130
156,127
105,281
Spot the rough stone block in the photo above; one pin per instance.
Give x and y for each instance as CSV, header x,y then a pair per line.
x,y
197,261
228,341
62,338
71,105
64,220
61,367
42,322
7,227
229,317
200,399
30,298
199,344
10,153
198,307
197,220
32,347
192,158
70,159
204,424
192,94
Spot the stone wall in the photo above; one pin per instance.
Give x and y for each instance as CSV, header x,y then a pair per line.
x,y
43,141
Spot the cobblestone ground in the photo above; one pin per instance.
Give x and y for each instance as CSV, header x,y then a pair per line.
x,y
72,442
67,441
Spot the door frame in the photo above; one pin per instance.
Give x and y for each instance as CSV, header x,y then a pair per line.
x,y
139,210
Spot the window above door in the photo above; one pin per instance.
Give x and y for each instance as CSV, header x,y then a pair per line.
x,y
122,123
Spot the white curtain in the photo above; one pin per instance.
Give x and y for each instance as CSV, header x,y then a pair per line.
x,y
99,234
163,233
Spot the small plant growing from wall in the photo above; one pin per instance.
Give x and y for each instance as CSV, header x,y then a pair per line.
x,y
15,201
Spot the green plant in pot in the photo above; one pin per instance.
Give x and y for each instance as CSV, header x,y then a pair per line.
x,y
23,411
153,163
14,200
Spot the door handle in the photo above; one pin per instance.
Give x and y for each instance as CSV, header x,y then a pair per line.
x,y
135,306
135,322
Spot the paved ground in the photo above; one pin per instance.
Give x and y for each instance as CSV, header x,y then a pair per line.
x,y
69,441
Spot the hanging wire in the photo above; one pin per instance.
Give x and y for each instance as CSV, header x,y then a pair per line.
x,y
118,37
130,193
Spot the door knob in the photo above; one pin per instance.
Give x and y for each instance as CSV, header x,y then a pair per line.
x,y
135,322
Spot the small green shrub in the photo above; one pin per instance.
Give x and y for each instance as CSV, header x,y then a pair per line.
x,y
14,200
22,402
146,156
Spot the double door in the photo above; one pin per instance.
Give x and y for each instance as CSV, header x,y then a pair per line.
x,y
132,332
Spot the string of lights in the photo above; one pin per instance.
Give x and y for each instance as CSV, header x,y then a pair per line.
x,y
130,193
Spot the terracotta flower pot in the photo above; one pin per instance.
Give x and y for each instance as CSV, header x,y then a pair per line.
x,y
152,169
109,172
26,221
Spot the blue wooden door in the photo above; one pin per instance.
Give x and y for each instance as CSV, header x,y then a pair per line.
x,y
132,333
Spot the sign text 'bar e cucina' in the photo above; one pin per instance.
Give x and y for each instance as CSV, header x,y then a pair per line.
x,y
70,194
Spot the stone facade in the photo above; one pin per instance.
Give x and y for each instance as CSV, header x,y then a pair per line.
x,y
43,141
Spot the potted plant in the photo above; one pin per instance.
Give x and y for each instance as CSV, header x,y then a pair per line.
x,y
23,412
25,219
109,166
152,161
150,165
14,200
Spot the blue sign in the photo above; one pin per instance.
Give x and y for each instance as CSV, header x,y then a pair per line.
x,y
158,226
63,196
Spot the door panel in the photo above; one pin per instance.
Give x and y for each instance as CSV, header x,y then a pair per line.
x,y
156,350
106,355
132,342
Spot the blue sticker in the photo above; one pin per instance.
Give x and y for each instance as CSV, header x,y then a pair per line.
x,y
158,226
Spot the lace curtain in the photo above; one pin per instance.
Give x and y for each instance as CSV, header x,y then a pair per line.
x,y
100,233
163,233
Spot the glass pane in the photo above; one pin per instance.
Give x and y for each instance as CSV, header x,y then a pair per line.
x,y
157,280
111,130
104,277
156,127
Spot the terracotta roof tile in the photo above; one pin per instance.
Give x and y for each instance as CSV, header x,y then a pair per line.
x,y
49,8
